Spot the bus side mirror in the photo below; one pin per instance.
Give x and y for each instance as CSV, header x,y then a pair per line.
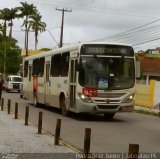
x,y
138,69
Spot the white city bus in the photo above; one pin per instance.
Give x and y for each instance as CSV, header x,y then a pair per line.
x,y
83,78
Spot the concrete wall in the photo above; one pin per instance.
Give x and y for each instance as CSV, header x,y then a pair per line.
x,y
147,95
157,93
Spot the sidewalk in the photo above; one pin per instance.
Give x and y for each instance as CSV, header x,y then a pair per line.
x,y
155,110
17,138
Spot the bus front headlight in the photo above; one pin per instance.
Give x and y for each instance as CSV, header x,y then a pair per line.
x,y
85,98
128,99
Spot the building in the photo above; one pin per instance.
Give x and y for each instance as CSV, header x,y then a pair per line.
x,y
153,51
150,68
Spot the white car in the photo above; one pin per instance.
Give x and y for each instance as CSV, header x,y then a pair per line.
x,y
13,83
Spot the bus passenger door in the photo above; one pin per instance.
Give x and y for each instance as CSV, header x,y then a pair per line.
x,y
47,84
72,85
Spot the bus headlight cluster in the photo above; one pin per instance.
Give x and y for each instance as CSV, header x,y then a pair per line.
x,y
128,99
85,98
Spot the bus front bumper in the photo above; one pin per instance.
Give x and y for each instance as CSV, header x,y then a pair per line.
x,y
96,108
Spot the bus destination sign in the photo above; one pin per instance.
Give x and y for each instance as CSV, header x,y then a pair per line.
x,y
115,50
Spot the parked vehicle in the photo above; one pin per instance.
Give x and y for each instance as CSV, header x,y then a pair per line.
x,y
13,83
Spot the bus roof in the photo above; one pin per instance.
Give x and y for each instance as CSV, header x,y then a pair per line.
x,y
70,47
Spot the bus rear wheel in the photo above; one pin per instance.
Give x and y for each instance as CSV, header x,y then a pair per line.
x,y
63,106
109,115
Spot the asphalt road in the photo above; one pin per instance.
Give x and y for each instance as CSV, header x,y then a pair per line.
x,y
106,136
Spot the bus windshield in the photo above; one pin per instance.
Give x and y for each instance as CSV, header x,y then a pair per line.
x,y
107,73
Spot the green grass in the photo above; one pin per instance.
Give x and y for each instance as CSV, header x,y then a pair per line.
x,y
146,112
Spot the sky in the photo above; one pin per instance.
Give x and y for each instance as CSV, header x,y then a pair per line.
x,y
135,22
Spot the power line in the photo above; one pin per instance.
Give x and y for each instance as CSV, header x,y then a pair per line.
x,y
52,37
119,34
141,33
146,42
132,35
93,9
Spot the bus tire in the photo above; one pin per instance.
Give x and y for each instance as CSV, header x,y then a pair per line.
x,y
63,107
109,115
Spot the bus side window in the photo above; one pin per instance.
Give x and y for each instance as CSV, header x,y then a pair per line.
x,y
35,67
41,66
56,65
51,70
25,68
65,64
30,72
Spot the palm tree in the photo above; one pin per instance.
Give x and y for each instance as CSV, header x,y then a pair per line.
x,y
25,11
12,15
36,25
4,15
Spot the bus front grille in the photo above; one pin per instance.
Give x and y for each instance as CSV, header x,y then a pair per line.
x,y
110,95
105,100
108,106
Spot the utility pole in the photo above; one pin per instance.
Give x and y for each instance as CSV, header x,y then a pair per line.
x,y
61,36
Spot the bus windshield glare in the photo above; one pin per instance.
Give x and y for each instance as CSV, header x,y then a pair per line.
x,y
107,73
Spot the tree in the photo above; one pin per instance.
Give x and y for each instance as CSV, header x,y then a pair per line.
x,y
45,49
12,15
36,25
25,11
7,14
10,56
4,15
1,31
